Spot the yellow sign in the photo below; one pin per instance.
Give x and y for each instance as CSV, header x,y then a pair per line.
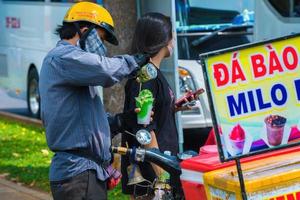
x,y
255,92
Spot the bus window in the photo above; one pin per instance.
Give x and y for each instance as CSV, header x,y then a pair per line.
x,y
203,26
287,8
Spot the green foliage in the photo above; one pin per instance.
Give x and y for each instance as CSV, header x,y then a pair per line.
x,y
24,154
116,194
25,157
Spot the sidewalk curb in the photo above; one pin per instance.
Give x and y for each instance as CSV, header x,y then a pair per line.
x,y
27,191
22,119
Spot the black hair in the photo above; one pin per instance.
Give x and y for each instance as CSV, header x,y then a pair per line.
x,y
68,29
153,32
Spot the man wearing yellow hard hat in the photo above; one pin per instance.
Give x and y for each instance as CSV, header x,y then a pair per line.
x,y
76,124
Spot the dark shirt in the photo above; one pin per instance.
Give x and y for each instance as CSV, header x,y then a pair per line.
x,y
163,125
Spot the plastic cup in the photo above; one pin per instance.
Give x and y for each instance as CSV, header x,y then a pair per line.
x,y
237,145
144,116
274,134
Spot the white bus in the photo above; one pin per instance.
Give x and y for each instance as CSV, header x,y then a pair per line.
x,y
205,26
27,34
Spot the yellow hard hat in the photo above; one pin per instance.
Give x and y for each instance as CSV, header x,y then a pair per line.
x,y
94,13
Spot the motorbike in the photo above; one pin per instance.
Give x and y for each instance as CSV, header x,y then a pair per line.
x,y
164,189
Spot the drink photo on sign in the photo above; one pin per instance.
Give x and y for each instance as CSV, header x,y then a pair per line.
x,y
254,93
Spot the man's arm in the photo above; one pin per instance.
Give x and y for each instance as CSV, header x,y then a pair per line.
x,y
87,69
116,124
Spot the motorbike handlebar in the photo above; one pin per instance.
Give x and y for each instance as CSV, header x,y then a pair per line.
x,y
121,150
168,163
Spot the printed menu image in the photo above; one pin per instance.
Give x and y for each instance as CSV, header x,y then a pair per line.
x,y
254,94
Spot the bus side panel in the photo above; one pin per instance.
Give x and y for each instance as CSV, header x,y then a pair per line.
x,y
13,81
26,39
18,62
33,29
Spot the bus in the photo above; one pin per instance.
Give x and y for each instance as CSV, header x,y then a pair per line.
x,y
205,26
27,34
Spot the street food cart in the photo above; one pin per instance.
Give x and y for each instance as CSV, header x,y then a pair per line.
x,y
203,173
254,95
272,178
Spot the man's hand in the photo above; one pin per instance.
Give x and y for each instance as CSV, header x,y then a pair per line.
x,y
141,59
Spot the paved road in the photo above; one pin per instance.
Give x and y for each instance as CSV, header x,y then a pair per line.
x,y
12,105
13,191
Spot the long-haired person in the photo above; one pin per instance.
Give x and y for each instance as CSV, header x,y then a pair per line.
x,y
153,36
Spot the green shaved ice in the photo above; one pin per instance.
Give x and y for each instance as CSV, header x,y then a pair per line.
x,y
145,96
143,101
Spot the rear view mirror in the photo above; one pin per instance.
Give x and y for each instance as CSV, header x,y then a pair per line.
x,y
143,137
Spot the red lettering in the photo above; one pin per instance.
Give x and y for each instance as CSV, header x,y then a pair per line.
x,y
221,74
290,197
13,22
237,72
280,198
259,69
7,22
274,63
16,23
297,195
286,60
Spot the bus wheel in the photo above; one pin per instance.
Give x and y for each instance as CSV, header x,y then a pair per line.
x,y
33,95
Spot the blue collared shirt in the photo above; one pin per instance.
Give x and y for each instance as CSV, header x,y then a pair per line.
x,y
72,118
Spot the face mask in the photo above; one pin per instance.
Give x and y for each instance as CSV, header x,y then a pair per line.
x,y
171,47
94,44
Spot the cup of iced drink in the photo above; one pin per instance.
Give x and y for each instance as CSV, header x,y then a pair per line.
x,y
237,139
275,128
145,102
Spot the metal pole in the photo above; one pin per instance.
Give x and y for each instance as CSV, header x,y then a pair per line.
x,y
138,8
175,76
241,178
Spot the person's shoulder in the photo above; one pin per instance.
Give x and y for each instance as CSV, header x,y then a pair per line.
x,y
62,48
131,82
160,76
